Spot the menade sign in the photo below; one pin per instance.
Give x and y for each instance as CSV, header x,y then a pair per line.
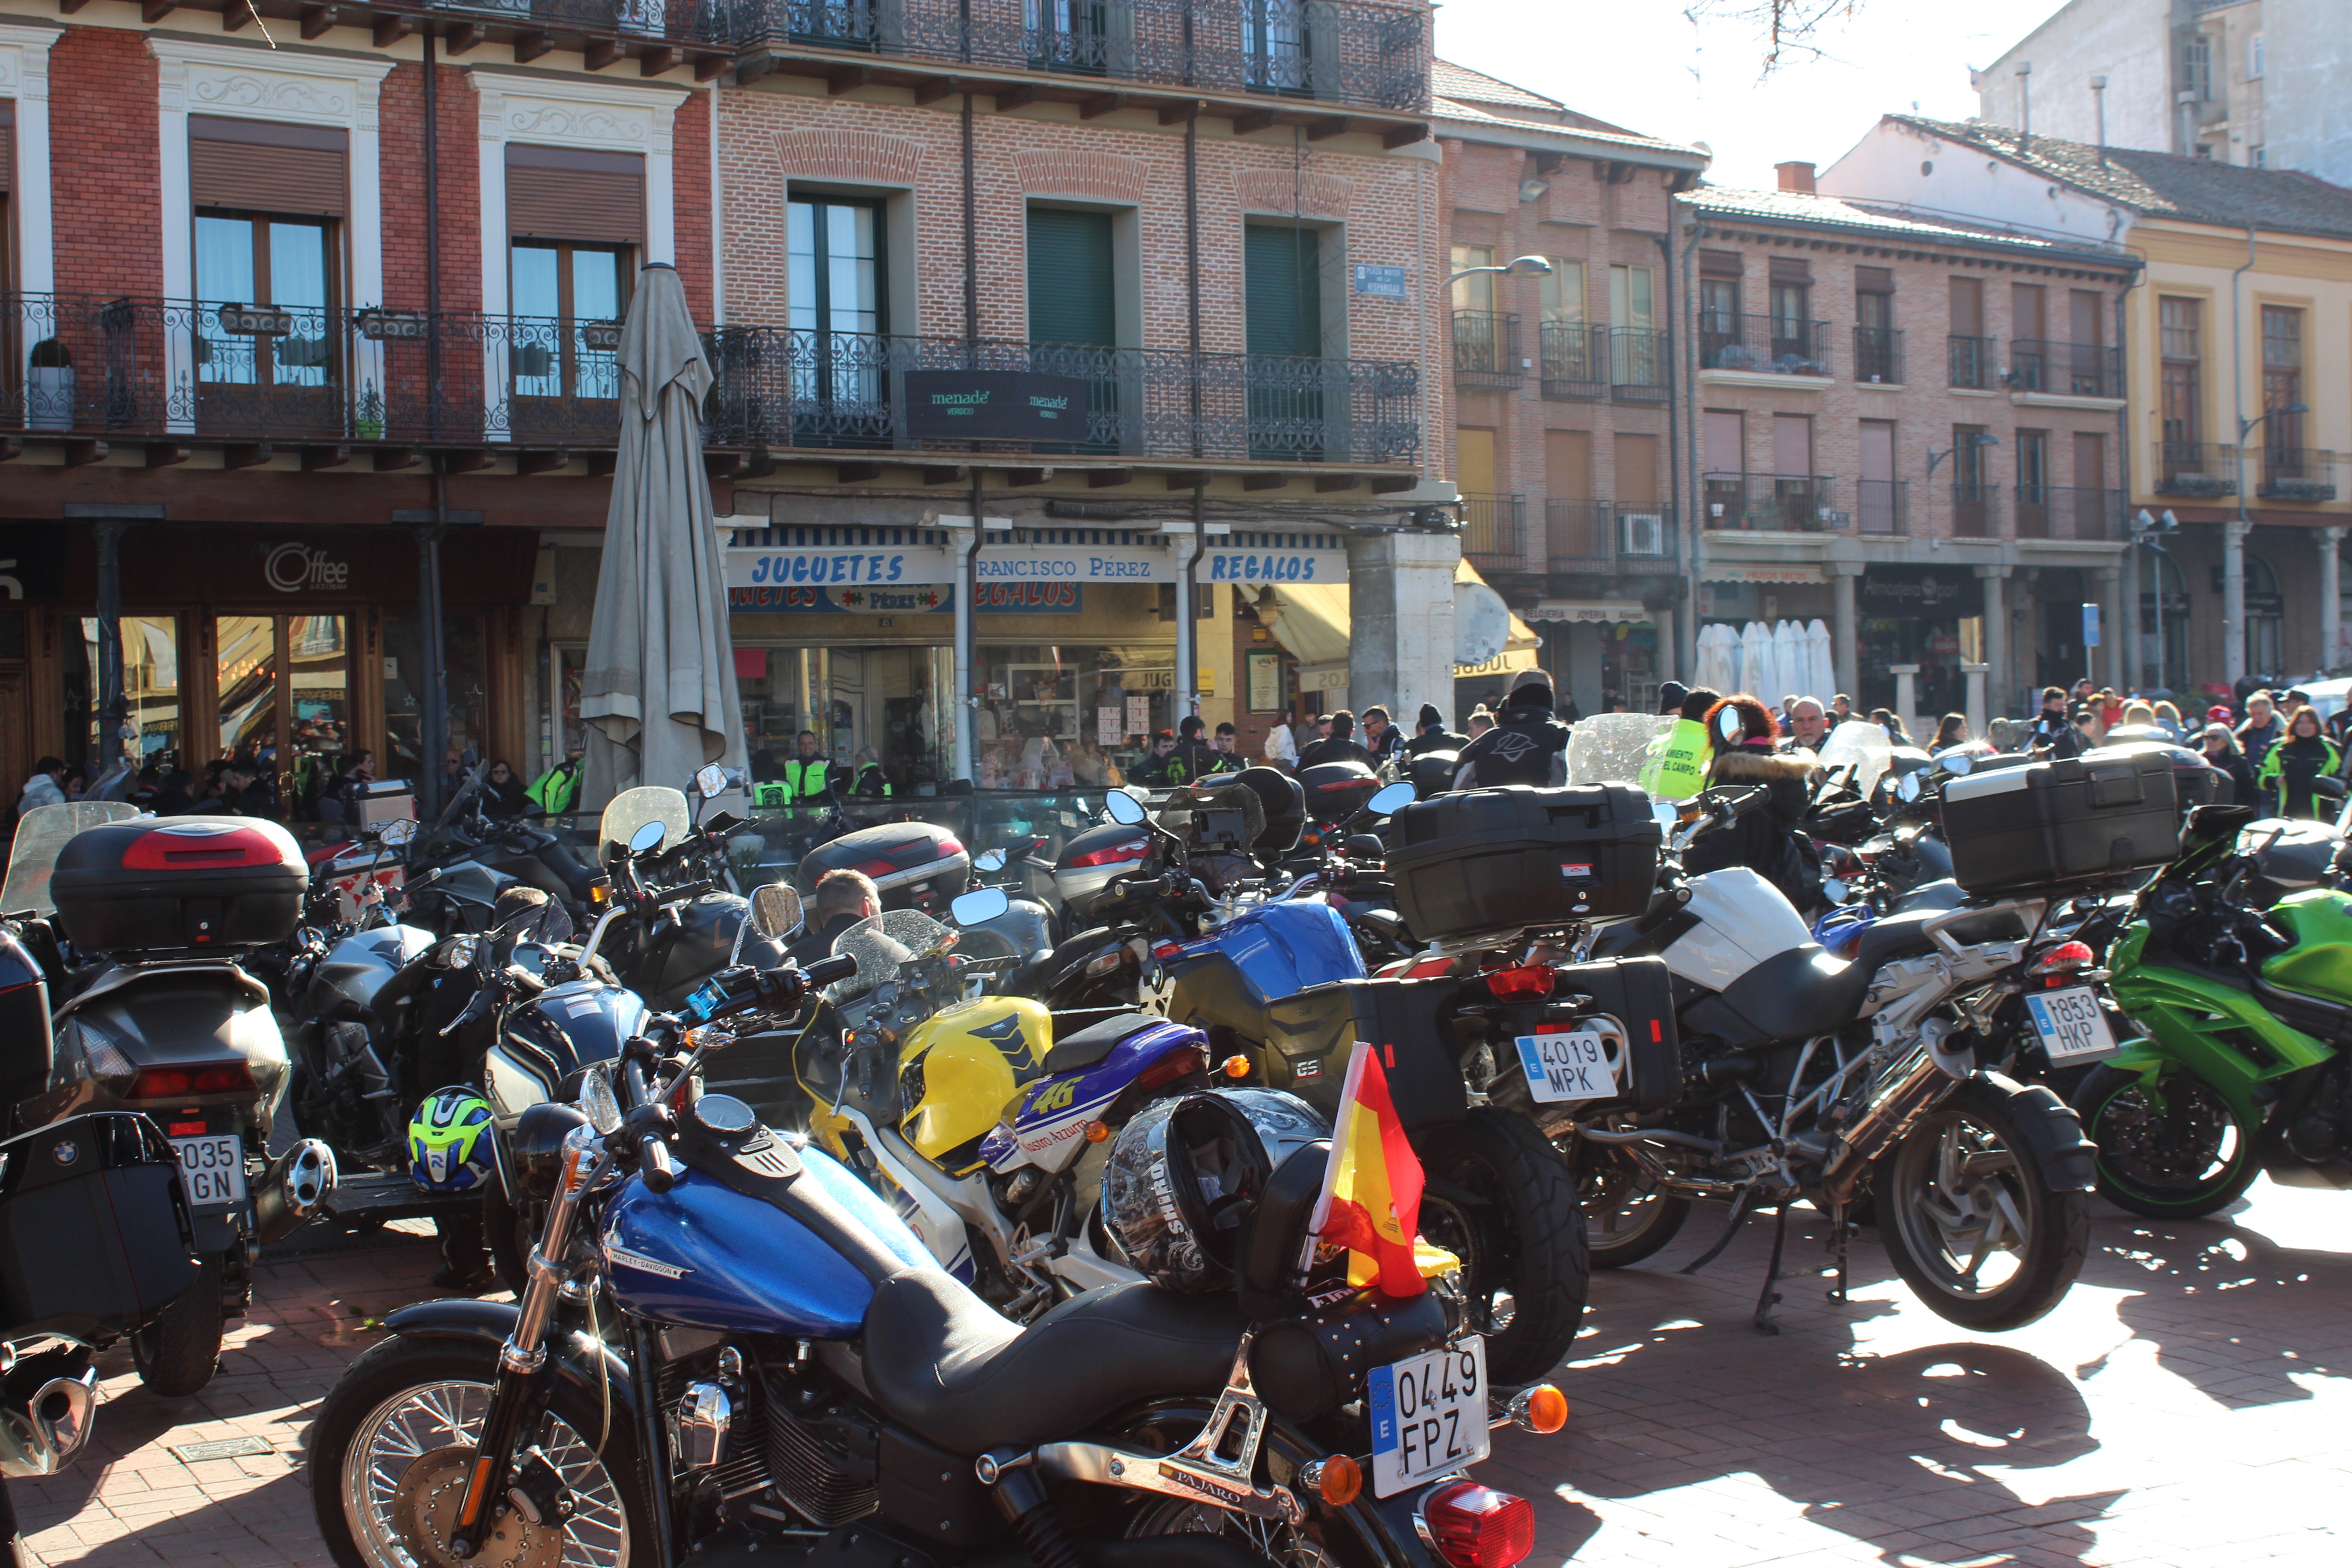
x,y
995,405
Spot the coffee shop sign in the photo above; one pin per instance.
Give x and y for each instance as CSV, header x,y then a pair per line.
x,y
296,568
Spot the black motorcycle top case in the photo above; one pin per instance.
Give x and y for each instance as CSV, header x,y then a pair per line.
x,y
1336,790
1500,859
2106,813
897,855
184,883
94,1228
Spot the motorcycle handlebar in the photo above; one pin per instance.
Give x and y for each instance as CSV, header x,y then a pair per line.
x,y
829,971
684,892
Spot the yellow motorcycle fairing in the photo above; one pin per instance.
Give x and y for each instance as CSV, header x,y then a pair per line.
x,y
960,1068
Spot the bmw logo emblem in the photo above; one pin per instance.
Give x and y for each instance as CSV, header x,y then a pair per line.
x,y
66,1152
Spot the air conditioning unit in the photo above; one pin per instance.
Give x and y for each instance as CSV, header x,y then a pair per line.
x,y
1641,533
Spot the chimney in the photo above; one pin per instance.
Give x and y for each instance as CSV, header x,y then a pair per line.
x,y
1796,177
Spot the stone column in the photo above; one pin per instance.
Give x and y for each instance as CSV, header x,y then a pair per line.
x,y
2233,599
1846,628
1976,704
2111,618
2331,605
1999,683
1400,605
1905,696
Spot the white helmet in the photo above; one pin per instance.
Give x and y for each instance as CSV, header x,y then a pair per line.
x,y
1185,1175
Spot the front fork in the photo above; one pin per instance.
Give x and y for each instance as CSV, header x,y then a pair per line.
x,y
518,1398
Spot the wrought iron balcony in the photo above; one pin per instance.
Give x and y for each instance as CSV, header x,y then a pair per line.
x,y
785,387
1320,51
1976,511
1574,360
710,22
84,365
2298,473
2068,370
1882,506
1878,354
1770,503
2196,469
1608,538
1969,362
1492,538
1486,349
1772,343
1641,364
2054,511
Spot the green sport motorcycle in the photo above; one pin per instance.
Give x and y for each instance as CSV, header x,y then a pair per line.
x,y
2246,1018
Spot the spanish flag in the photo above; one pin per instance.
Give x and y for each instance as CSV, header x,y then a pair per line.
x,y
1370,1202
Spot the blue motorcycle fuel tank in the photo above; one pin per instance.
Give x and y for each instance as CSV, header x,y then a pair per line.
x,y
708,1256
543,1041
1225,979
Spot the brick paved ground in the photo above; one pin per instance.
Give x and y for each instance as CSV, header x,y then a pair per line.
x,y
2189,1404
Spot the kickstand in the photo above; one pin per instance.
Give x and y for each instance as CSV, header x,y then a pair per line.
x,y
1767,1298
1840,1231
1739,1213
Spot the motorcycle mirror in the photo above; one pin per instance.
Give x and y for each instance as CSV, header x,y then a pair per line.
x,y
989,860
648,836
1833,890
776,911
1666,813
1907,786
1394,798
1123,807
598,1104
711,781
1728,724
979,906
1957,762
2332,788
397,833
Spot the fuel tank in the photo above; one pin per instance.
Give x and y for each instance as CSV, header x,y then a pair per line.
x,y
1742,919
563,1028
680,956
1225,979
960,1069
357,966
2320,962
705,1256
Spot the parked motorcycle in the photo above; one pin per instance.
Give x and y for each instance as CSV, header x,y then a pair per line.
x,y
166,1022
723,1328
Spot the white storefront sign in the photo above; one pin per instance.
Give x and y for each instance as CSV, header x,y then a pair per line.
x,y
849,566
1589,611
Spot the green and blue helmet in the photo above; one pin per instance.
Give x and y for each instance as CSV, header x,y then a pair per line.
x,y
449,1142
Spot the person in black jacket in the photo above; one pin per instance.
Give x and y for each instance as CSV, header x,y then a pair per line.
x,y
2054,731
1432,735
1766,841
1527,745
2223,754
1199,758
1380,738
1339,746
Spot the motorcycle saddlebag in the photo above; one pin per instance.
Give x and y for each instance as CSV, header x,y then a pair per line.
x,y
2108,812
1309,1036
1634,995
200,883
95,1238
1508,858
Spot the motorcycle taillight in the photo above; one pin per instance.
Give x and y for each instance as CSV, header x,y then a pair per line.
x,y
1529,982
179,1083
1478,1527
2064,959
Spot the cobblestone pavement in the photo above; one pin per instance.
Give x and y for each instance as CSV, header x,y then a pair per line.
x,y
2190,1403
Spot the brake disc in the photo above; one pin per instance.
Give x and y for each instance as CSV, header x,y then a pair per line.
x,y
424,1511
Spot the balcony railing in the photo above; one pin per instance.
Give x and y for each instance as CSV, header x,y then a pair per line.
x,y
1772,343
1882,506
1641,364
132,367
2298,473
1375,57
1976,511
1491,531
783,387
1574,360
2070,370
2053,512
712,22
1486,349
1772,503
1601,537
1878,354
2196,469
1969,362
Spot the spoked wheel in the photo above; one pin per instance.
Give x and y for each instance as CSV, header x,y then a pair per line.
x,y
1499,1197
1626,1216
2167,1150
391,1452
1970,1219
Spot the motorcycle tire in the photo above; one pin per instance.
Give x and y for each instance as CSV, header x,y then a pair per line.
x,y
1610,1244
2151,1175
1958,1139
177,1354
1499,1196
378,1381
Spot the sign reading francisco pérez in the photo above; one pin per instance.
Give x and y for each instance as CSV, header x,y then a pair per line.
x,y
995,405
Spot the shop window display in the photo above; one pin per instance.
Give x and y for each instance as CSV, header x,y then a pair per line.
x,y
150,690
1057,718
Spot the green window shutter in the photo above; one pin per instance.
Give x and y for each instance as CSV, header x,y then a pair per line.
x,y
1283,290
1070,299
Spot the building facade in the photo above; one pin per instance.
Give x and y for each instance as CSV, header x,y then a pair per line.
x,y
1563,418
2235,338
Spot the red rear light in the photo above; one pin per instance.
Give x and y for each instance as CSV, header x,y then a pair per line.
x,y
202,846
2064,959
879,868
187,1129
179,1083
1478,1527
1133,849
1530,983
950,846
1170,1067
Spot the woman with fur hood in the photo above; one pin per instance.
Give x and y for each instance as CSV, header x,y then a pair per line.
x,y
1766,841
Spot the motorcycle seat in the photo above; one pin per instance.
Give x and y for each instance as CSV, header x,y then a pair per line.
x,y
1096,1042
1791,995
940,1360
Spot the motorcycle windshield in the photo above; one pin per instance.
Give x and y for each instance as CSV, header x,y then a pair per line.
x,y
632,808
1610,748
41,833
1863,745
883,946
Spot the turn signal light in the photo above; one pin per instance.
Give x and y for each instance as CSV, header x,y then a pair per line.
x,y
1531,982
179,1083
1097,1131
1236,1066
1338,1481
1542,1409
1478,1527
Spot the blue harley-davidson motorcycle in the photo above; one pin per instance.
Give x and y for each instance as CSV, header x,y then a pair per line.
x,y
724,1330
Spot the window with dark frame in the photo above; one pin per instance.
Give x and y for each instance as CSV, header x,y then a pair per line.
x,y
2179,347
2282,390
839,288
568,300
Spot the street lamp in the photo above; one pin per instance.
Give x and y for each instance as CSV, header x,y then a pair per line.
x,y
2233,566
2144,530
1978,441
1517,267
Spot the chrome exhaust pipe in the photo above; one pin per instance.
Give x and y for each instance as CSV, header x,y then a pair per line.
x,y
293,1189
1903,1095
41,1437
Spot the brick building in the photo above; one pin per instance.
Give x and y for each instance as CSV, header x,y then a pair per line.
x,y
1908,428
278,309
1563,417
